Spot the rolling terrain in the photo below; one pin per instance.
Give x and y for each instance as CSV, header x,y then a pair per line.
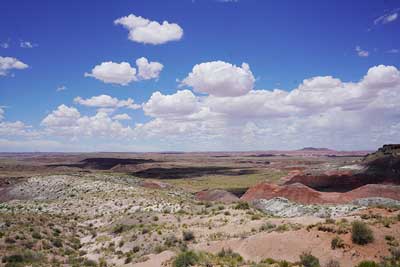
x,y
262,208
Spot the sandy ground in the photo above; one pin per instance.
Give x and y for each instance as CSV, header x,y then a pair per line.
x,y
289,245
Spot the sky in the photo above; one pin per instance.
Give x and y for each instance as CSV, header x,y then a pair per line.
x,y
198,75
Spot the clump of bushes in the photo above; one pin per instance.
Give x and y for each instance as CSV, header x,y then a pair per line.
x,y
368,264
241,205
337,242
309,260
188,235
267,226
229,258
332,263
186,259
361,234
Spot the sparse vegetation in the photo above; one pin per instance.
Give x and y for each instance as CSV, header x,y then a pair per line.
x,y
308,260
241,205
368,264
361,234
337,242
186,259
188,235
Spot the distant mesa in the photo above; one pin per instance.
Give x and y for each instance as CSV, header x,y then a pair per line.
x,y
315,149
103,163
378,176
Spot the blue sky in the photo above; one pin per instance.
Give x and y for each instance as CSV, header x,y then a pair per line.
x,y
283,42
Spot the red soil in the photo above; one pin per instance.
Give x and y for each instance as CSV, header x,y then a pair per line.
x,y
303,194
216,195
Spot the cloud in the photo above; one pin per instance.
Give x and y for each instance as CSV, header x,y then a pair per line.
x,y
148,70
122,117
1,114
27,44
393,51
142,30
68,122
181,103
221,79
123,74
361,52
388,17
62,116
61,88
4,45
106,101
9,63
116,73
320,111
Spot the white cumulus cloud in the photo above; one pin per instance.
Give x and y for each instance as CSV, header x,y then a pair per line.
x,y
106,101
123,73
122,117
143,30
9,63
181,103
148,70
111,72
219,78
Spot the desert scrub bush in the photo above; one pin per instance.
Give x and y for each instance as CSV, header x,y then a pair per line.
x,y
330,221
332,263
368,264
267,226
282,228
36,235
337,242
241,205
188,235
386,221
57,243
232,258
309,260
120,228
361,234
255,217
324,228
23,258
170,241
186,259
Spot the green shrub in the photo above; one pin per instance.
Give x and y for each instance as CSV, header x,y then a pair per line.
x,y
337,242
170,241
188,235
368,264
308,260
360,233
36,235
186,259
332,263
241,205
57,243
267,226
255,217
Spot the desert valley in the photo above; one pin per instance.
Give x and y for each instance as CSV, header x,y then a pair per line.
x,y
309,207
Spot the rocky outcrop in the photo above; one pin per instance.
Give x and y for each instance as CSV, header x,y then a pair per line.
x,y
305,195
216,195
